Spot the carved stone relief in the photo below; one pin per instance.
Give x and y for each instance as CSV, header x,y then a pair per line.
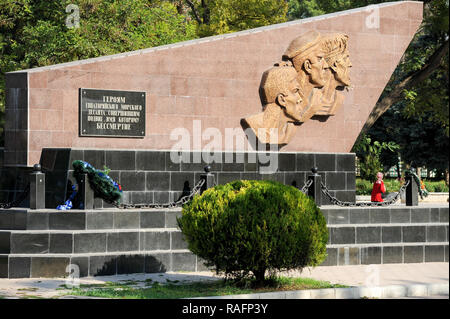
x,y
309,81
283,105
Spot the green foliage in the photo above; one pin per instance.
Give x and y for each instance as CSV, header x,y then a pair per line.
x,y
34,33
224,16
436,186
102,185
106,170
175,290
422,142
300,9
368,153
364,187
428,99
248,227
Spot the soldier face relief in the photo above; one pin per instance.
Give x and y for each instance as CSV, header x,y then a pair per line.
x,y
292,100
341,69
309,81
316,66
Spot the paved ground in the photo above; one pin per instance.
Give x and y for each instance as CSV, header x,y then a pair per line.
x,y
360,275
382,275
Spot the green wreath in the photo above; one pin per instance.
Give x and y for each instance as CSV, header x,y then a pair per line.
x,y
420,185
103,186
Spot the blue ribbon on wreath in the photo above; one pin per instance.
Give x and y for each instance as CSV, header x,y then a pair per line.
x,y
102,185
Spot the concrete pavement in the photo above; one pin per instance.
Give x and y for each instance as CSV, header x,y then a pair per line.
x,y
379,281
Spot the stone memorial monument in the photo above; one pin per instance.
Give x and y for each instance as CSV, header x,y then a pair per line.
x,y
267,103
155,116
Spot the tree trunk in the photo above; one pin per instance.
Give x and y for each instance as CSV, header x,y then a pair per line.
x,y
259,275
446,177
399,174
419,172
410,81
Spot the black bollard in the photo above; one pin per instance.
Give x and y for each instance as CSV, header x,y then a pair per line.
x,y
37,188
86,193
315,190
412,191
209,179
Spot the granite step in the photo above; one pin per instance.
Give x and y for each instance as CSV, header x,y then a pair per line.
x,y
101,264
385,215
387,233
97,264
113,240
90,241
52,219
27,219
386,253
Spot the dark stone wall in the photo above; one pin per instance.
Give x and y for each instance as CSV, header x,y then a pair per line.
x,y
12,181
153,177
16,119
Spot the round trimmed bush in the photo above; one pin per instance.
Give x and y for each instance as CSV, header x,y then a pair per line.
x,y
250,227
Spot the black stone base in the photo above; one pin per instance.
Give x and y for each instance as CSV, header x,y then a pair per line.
x,y
42,243
165,176
13,180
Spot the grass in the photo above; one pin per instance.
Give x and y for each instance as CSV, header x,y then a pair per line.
x,y
27,289
175,290
364,187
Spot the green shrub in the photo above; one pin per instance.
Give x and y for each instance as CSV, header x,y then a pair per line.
x,y
392,185
436,186
363,187
250,227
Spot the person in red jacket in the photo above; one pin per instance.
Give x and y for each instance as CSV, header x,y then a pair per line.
x,y
378,189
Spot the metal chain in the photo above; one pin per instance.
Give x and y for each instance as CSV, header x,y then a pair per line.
x,y
183,200
305,187
18,200
335,201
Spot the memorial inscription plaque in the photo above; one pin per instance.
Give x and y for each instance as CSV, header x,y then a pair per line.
x,y
109,113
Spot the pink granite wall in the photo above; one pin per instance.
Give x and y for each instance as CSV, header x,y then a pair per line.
x,y
216,80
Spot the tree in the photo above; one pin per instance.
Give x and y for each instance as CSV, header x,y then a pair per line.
x,y
250,228
422,77
34,33
369,151
300,9
224,16
423,143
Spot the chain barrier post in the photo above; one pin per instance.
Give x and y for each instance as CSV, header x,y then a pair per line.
x,y
315,190
86,192
209,179
37,188
412,191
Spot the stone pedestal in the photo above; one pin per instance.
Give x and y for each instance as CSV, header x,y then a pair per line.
x,y
163,176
